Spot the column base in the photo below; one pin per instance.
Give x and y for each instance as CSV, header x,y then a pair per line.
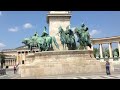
x,y
101,60
119,59
111,60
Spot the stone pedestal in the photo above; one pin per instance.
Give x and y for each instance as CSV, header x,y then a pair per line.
x,y
61,63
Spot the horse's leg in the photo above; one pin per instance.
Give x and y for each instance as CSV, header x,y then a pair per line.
x,y
47,47
39,46
63,45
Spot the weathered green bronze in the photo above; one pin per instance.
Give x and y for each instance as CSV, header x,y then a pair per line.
x,y
67,38
83,36
43,42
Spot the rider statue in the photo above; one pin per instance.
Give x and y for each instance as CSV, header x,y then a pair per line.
x,y
44,34
36,34
85,35
70,37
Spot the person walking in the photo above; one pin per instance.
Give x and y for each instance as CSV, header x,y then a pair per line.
x,y
14,69
108,68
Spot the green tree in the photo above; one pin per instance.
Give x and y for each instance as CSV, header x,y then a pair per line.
x,y
2,60
106,52
116,50
95,51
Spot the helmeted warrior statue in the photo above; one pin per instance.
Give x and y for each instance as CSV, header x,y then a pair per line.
x,y
83,36
44,34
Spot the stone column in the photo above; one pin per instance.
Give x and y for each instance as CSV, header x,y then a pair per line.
x,y
55,19
110,52
17,57
21,57
12,62
24,55
8,62
101,52
119,50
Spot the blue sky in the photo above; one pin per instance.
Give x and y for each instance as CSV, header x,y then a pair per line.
x,y
16,25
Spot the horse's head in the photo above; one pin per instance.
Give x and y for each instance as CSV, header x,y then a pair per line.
x,y
60,30
25,41
76,31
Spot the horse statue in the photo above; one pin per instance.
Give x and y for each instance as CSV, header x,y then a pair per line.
x,y
70,38
40,42
63,37
27,42
67,38
33,41
83,36
49,40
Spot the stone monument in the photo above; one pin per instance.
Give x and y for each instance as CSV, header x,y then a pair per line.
x,y
62,62
55,19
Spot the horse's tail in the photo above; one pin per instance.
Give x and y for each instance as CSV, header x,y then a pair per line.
x,y
56,44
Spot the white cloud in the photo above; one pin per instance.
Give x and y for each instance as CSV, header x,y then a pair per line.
x,y
2,45
27,26
0,13
94,32
15,29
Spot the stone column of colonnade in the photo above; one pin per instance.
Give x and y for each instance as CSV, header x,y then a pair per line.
x,y
21,56
110,52
101,52
11,62
119,49
17,61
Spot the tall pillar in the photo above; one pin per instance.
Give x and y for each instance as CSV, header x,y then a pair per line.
x,y
101,52
11,62
119,48
110,52
17,57
24,55
55,19
21,57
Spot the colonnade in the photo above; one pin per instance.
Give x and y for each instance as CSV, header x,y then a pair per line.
x,y
10,62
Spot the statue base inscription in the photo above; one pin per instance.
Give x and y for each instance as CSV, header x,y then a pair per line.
x,y
49,63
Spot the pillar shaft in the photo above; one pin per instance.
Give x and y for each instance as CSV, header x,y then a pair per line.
x,y
101,51
119,48
110,50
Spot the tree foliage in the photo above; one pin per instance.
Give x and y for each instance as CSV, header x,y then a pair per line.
x,y
2,59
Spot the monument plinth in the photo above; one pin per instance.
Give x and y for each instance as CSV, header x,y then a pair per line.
x,y
55,19
61,63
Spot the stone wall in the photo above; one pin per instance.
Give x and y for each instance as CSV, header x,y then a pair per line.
x,y
62,63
